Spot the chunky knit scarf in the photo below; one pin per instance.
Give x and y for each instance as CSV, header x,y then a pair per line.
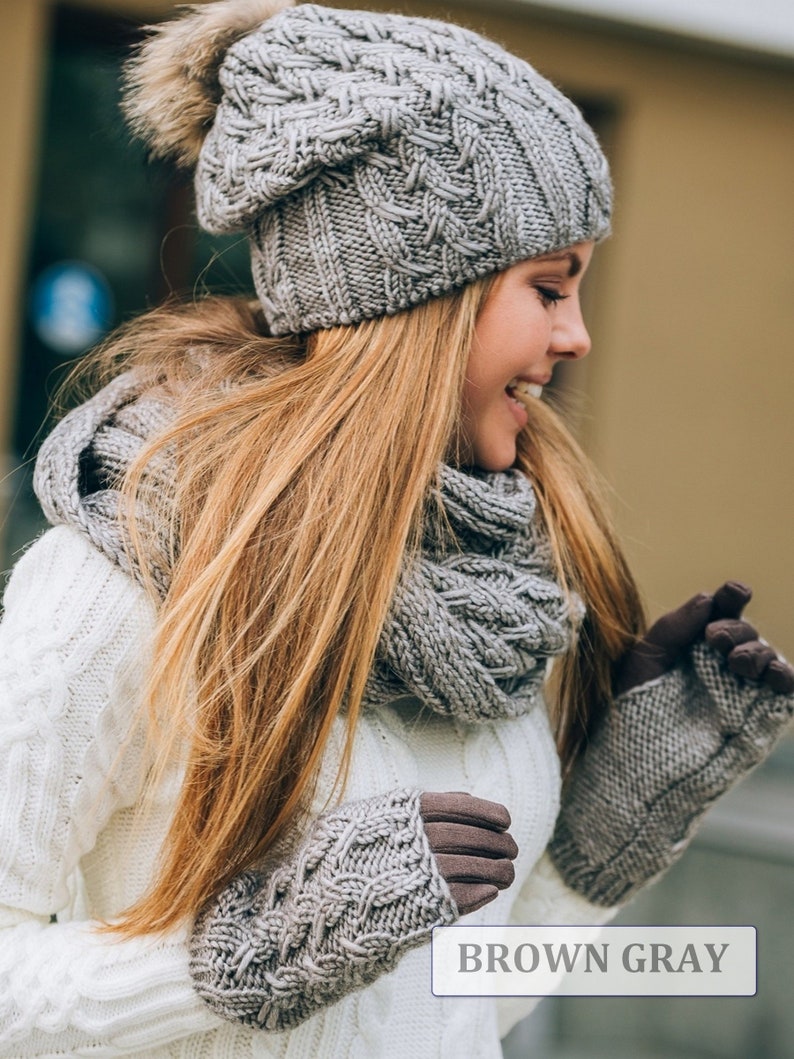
x,y
81,464
478,614
474,619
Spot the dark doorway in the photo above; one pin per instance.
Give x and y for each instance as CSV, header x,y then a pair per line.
x,y
112,233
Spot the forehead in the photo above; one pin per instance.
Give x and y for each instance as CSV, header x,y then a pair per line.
x,y
573,258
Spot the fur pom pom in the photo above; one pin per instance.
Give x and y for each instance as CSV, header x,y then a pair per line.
x,y
171,84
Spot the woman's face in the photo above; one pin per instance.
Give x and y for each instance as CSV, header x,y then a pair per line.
x,y
531,320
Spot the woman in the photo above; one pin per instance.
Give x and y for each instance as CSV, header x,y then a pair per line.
x,y
281,690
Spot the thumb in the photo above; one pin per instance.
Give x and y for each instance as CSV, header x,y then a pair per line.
x,y
679,628
730,599
659,650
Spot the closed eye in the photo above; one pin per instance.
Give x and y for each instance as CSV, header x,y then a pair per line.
x,y
549,296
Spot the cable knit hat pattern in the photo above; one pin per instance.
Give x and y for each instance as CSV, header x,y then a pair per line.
x,y
379,160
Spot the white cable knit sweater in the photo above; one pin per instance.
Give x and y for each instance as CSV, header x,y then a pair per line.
x,y
73,645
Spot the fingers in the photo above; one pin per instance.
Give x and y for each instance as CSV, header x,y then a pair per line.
x,y
667,638
728,633
471,846
718,619
475,841
780,677
756,660
751,660
678,629
498,873
474,881
748,656
730,599
457,807
471,896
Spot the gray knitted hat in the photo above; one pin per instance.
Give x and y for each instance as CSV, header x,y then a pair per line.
x,y
375,160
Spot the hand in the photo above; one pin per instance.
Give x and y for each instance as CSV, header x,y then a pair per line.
x,y
473,850
702,702
717,618
288,939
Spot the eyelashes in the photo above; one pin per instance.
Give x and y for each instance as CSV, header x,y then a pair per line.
x,y
549,296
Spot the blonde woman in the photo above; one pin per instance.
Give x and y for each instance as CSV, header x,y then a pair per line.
x,y
330,603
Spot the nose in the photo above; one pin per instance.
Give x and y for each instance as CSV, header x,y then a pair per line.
x,y
570,338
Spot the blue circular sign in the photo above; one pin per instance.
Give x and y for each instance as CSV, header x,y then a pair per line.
x,y
71,307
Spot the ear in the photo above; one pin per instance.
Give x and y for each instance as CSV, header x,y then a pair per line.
x,y
171,84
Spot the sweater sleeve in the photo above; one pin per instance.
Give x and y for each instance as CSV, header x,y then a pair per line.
x,y
72,643
546,900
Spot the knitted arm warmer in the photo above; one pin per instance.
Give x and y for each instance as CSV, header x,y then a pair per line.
x,y
663,755
363,888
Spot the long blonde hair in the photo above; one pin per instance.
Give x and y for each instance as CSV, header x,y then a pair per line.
x,y
304,466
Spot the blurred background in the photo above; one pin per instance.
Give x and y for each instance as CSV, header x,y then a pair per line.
x,y
685,402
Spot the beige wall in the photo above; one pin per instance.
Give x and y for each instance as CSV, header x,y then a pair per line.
x,y
688,389
22,43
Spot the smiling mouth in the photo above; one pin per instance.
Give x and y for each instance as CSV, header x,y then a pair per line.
x,y
522,392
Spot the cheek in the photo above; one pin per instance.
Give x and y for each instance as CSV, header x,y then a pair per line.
x,y
470,400
490,364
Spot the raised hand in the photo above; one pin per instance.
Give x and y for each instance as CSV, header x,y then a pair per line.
x,y
473,850
717,618
701,701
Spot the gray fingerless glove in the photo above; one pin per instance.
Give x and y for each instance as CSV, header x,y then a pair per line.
x,y
362,889
662,756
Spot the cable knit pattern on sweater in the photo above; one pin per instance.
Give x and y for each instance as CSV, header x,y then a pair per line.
x,y
363,889
74,636
72,642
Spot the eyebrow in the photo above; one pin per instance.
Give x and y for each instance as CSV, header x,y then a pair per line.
x,y
571,256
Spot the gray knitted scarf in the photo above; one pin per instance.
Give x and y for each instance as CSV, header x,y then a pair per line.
x,y
475,617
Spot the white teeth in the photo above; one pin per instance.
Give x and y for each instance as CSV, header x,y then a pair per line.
x,y
520,388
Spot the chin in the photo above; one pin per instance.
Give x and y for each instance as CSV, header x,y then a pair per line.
x,y
494,460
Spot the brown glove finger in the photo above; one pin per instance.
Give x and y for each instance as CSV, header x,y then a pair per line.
x,y
779,676
471,896
728,633
463,809
751,659
658,651
458,868
679,628
730,599
449,837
